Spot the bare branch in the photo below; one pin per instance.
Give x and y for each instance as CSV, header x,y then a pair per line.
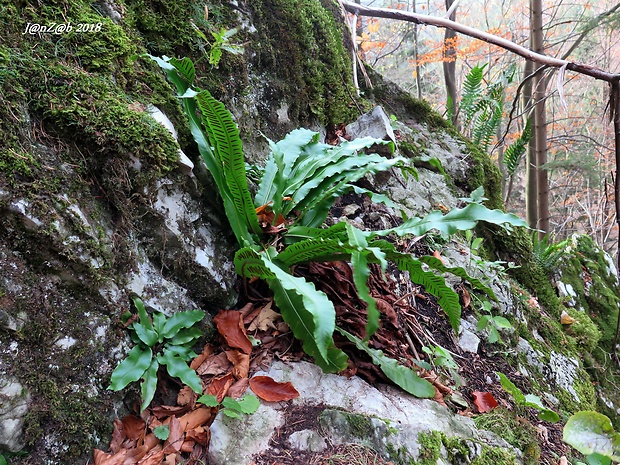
x,y
417,18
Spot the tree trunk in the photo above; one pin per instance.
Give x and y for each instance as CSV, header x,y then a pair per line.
x,y
449,67
531,190
540,120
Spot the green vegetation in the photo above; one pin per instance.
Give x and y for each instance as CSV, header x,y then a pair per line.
x,y
528,400
163,341
592,434
230,407
300,182
492,323
457,451
514,430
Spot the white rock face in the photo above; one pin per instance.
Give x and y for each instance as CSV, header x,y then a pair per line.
x,y
13,408
396,417
185,164
374,124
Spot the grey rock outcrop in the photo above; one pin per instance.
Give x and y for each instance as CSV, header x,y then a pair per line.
x,y
383,418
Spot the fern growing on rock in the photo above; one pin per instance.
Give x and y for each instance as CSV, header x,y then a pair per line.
x,y
299,184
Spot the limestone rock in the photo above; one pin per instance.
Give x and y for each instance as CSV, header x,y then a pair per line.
x,y
383,418
14,400
373,124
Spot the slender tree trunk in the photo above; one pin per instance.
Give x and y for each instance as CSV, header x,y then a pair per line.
x,y
531,184
418,69
540,120
449,67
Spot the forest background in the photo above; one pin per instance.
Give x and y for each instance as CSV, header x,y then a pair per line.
x,y
579,165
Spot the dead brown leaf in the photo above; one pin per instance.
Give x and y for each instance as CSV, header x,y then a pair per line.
x,y
206,351
135,427
214,365
201,435
197,417
164,411
103,458
241,363
219,386
230,326
118,436
187,396
238,388
270,390
175,438
265,319
484,401
465,297
153,458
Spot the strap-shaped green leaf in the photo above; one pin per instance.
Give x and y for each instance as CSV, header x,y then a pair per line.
x,y
297,233
402,376
181,320
291,148
177,367
322,197
186,353
249,264
361,274
144,317
147,336
224,135
435,285
238,223
149,384
131,369
186,336
436,264
185,67
311,316
316,250
458,219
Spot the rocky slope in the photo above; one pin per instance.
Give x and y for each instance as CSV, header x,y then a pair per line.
x,y
99,201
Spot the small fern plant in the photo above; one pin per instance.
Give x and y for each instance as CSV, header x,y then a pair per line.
x,y
300,182
161,342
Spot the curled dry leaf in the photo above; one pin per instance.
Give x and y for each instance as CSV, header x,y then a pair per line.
x,y
238,388
153,458
187,396
118,436
265,319
196,362
195,418
219,386
241,363
230,326
465,297
566,319
103,458
272,391
214,365
175,439
135,427
200,435
484,401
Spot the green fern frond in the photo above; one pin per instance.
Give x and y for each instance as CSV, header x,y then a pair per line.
x,y
316,250
185,67
434,284
436,264
516,150
224,136
471,92
249,264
